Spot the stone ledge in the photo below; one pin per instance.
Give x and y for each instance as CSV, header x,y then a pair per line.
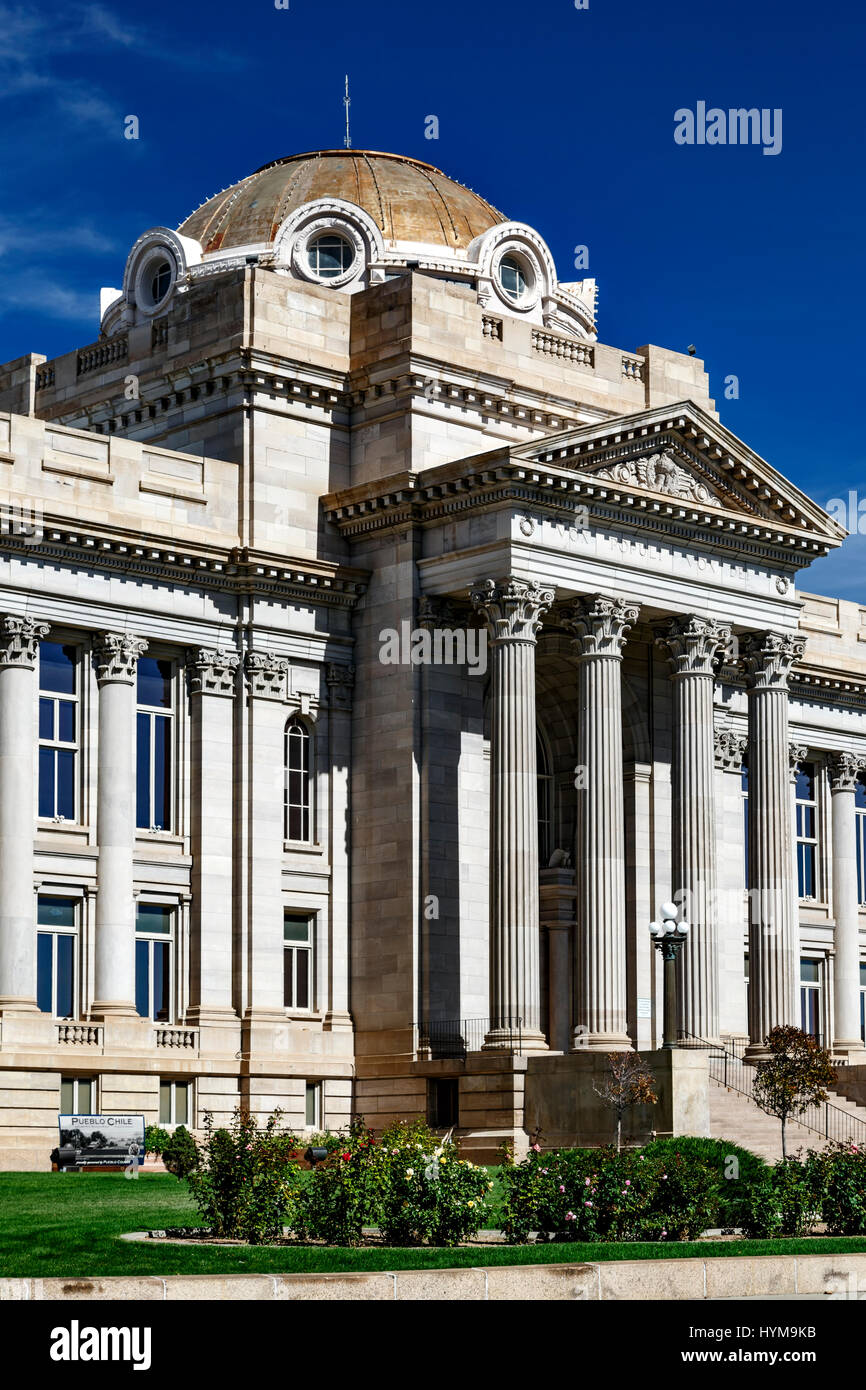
x,y
732,1277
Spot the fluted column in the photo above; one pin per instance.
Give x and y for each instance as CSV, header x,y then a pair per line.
x,y
512,611
844,769
773,925
600,626
340,681
19,652
692,644
116,656
213,685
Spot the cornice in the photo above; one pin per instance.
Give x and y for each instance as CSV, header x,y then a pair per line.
x,y
238,570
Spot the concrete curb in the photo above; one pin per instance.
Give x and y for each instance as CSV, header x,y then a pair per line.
x,y
733,1277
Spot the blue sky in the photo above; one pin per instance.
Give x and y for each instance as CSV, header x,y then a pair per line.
x,y
563,118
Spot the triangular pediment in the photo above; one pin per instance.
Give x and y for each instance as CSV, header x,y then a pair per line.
x,y
682,453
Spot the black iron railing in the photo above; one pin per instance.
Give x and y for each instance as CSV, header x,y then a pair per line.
x,y
454,1038
727,1066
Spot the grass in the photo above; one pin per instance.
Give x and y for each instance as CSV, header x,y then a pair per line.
x,y
67,1224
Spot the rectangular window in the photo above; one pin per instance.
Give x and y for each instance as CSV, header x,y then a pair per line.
x,y
59,723
175,1103
807,831
154,744
863,1003
744,784
154,942
810,997
313,1105
860,828
56,956
297,961
77,1095
442,1102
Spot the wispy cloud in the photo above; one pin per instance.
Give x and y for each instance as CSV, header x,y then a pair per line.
x,y
41,231
42,296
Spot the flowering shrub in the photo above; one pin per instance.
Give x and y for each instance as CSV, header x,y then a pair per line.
x,y
736,1167
599,1194
838,1181
339,1199
245,1185
784,1201
425,1191
180,1152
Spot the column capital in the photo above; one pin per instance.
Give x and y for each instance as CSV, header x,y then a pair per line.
x,y
19,641
340,681
266,674
692,643
511,608
437,612
797,752
729,748
844,770
116,655
768,658
600,625
212,671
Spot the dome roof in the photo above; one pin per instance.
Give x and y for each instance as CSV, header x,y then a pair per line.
x,y
408,199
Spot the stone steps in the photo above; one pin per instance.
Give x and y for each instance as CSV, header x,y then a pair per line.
x,y
737,1117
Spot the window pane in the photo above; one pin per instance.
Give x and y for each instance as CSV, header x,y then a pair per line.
x,y
85,1096
860,792
288,981
810,971
161,981
311,1117
303,992
44,971
153,917
55,912
46,718
66,784
57,668
46,782
296,823
65,976
181,1103
165,1102
162,772
806,782
142,772
154,682
142,978
296,928
67,1096
65,721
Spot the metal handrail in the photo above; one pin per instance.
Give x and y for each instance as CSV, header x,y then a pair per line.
x,y
455,1038
824,1118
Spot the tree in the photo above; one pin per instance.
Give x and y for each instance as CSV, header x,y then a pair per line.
x,y
794,1076
630,1083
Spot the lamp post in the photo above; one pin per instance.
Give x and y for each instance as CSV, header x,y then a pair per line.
x,y
669,937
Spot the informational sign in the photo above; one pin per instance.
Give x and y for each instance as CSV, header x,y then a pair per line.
x,y
104,1141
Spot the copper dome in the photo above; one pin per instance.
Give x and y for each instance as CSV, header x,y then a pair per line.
x,y
408,199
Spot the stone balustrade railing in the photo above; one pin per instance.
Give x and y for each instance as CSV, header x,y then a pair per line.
x,y
79,1034
92,359
632,367
566,349
183,1038
491,327
44,378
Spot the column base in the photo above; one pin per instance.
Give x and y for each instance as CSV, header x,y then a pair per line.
x,y
102,1009
13,1004
512,1040
338,1022
601,1042
755,1053
852,1049
204,1014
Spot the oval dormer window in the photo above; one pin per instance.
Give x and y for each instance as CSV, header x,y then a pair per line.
x,y
513,278
160,282
330,255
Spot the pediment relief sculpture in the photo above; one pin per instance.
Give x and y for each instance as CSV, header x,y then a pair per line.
x,y
663,474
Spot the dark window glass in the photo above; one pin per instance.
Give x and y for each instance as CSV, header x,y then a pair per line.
x,y
860,793
45,971
161,981
142,773
142,978
806,782
744,778
295,928
154,682
46,781
57,668
55,912
153,917
46,719
65,975
65,784
288,979
303,999
65,721
162,772
298,781
806,870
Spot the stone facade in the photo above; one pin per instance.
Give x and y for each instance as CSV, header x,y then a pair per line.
x,y
251,861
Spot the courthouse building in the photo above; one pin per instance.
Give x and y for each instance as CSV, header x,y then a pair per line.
x,y
255,848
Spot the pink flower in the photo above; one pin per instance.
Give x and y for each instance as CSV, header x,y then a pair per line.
x,y
587,1204
628,1182
569,1216
545,1170
664,1177
562,1189
586,1182
536,1148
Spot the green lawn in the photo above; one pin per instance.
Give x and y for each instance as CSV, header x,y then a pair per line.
x,y
68,1224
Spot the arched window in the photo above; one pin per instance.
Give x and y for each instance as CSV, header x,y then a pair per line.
x,y
298,783
545,799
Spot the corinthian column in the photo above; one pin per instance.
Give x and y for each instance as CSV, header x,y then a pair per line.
x,y
773,925
692,644
116,656
844,769
19,650
513,610
600,626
